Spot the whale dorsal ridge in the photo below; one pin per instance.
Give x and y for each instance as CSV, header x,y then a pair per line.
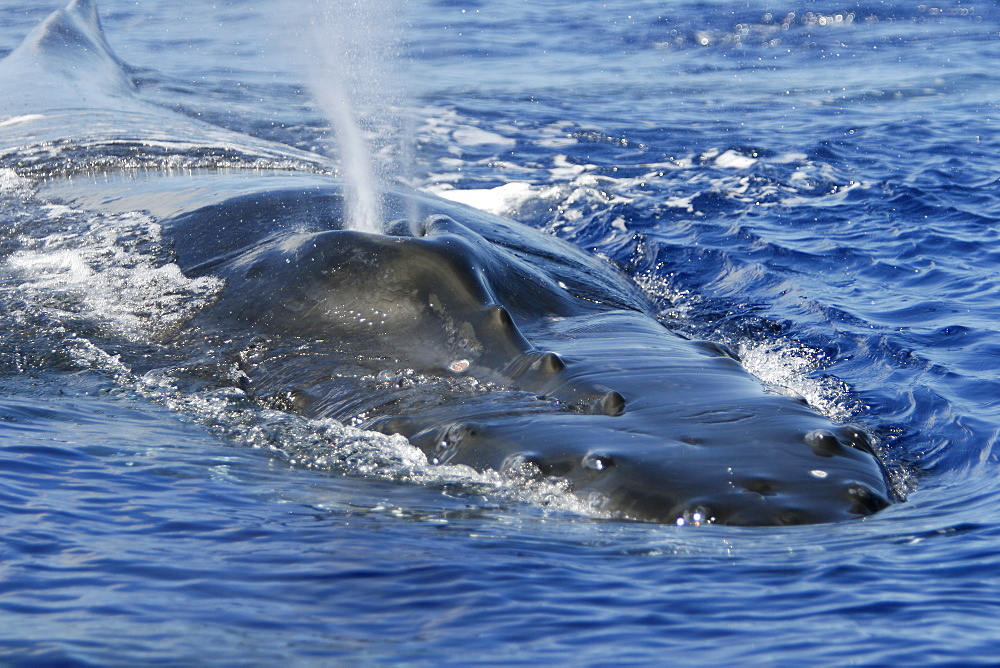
x,y
66,53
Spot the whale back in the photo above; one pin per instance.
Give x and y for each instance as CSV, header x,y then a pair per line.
x,y
64,87
64,63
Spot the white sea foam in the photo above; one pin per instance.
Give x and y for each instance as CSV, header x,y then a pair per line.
x,y
329,445
733,160
563,169
472,136
111,270
788,367
501,200
11,183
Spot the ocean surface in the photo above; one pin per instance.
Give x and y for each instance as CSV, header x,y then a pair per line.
x,y
815,184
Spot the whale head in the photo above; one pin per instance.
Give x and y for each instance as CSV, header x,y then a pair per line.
x,y
594,393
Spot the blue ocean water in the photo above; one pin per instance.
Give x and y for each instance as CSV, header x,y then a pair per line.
x,y
815,185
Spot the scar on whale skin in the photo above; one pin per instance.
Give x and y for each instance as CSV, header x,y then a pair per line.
x,y
575,378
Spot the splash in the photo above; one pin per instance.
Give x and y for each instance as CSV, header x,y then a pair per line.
x,y
352,50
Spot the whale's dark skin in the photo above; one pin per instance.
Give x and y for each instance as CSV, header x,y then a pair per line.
x,y
533,358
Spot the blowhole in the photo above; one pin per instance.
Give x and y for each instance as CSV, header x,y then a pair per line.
x,y
399,228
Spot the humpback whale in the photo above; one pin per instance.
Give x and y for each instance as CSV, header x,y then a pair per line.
x,y
483,341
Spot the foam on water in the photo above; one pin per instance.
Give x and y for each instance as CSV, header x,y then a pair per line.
x,y
112,270
13,184
501,201
329,445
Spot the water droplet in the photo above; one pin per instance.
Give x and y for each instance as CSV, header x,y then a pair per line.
x,y
816,473
597,462
458,366
696,515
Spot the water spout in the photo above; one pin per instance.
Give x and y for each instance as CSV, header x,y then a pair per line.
x,y
352,49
